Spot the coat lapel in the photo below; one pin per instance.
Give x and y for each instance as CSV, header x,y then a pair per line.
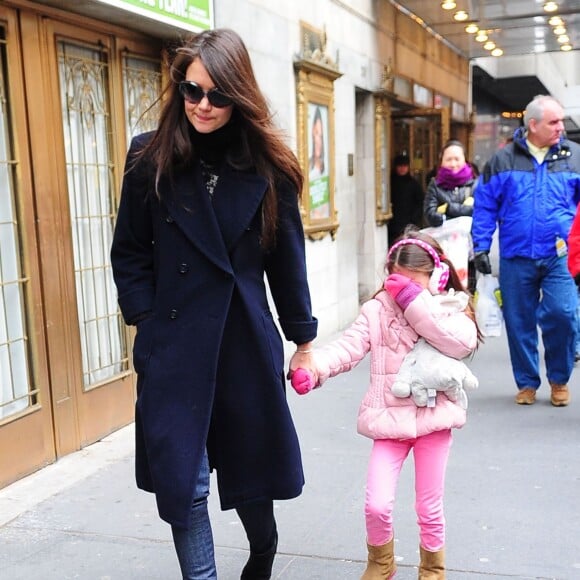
x,y
236,199
190,206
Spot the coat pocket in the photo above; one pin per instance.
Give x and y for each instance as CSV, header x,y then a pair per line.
x,y
142,344
274,343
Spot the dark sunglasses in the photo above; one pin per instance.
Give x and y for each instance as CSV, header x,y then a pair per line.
x,y
194,94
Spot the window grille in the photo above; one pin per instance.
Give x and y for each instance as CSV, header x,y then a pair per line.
x,y
16,391
83,73
142,87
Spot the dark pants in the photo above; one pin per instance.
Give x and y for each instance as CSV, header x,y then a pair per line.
x,y
194,547
539,293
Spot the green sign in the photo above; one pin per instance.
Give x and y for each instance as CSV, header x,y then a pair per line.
x,y
194,15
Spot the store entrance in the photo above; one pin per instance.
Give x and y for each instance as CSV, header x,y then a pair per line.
x,y
73,93
420,133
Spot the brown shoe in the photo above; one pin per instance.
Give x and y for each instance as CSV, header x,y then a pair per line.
x,y
526,396
560,396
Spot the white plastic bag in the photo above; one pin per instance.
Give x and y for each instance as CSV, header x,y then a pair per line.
x,y
454,236
488,305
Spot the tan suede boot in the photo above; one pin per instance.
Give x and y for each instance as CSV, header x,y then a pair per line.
x,y
381,563
432,565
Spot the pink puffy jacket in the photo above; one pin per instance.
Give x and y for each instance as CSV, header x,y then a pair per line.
x,y
389,334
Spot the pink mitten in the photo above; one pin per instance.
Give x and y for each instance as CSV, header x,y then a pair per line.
x,y
402,289
302,381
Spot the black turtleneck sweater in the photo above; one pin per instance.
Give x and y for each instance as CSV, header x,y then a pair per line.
x,y
212,149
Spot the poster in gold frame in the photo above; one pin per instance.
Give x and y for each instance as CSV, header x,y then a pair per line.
x,y
315,75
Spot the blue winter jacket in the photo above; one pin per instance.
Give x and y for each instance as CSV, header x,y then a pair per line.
x,y
531,203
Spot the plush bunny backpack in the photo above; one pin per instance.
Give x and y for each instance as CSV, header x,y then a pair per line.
x,y
426,371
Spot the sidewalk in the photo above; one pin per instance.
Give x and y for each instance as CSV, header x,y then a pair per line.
x,y
512,501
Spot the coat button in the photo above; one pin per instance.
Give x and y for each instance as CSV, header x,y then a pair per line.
x,y
169,219
173,314
183,268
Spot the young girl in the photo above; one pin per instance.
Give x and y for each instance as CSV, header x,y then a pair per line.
x,y
388,327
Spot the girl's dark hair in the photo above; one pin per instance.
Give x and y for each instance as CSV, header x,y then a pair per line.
x,y
414,257
262,146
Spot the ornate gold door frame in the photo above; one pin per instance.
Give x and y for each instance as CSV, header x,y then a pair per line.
x,y
420,133
315,76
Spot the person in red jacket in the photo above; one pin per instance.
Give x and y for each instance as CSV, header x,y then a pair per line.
x,y
574,267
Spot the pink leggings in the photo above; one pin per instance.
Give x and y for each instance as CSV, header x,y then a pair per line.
x,y
431,453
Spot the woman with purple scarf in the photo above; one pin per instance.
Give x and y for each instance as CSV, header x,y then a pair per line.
x,y
450,192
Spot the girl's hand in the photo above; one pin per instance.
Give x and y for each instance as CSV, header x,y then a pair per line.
x,y
302,381
303,360
402,289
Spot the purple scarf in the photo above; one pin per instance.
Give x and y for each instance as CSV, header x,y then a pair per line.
x,y
448,179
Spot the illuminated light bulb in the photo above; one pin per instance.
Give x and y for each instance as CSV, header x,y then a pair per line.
x,y
489,45
497,52
555,21
564,39
448,5
472,28
460,16
559,30
550,6
481,36
566,47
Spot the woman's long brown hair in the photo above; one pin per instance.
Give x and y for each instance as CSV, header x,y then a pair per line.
x,y
263,148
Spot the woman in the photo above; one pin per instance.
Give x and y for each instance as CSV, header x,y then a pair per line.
x,y
209,206
316,164
450,192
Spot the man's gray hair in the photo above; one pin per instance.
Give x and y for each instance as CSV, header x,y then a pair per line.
x,y
535,108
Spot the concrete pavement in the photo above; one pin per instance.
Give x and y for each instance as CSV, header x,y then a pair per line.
x,y
512,501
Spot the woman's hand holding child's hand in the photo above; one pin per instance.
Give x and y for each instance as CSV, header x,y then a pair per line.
x,y
402,289
302,370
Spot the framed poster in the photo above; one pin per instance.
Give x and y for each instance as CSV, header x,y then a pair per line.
x,y
315,75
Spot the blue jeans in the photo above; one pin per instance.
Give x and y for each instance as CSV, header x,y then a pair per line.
x,y
539,293
194,547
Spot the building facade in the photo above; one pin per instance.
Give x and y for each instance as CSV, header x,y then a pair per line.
x,y
78,80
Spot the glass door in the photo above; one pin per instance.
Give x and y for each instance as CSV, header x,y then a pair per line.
x,y
26,436
420,133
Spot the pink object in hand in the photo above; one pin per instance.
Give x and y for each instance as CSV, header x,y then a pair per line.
x,y
395,283
402,289
302,381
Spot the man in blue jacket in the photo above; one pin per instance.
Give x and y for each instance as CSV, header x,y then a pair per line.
x,y
530,189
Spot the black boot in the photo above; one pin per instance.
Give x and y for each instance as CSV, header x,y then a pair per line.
x,y
259,566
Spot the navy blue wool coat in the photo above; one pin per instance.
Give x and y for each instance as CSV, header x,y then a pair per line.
x,y
190,272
